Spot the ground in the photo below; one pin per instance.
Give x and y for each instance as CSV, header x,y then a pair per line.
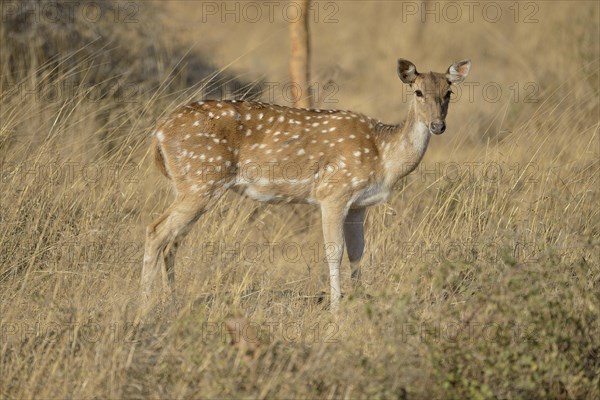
x,y
481,277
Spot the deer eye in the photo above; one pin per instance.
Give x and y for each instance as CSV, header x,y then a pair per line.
x,y
419,93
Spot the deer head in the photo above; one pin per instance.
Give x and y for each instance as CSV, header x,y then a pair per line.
x,y
432,91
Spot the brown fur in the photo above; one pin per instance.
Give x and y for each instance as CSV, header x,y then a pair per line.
x,y
341,160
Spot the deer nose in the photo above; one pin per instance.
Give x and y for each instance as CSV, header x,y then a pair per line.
x,y
437,127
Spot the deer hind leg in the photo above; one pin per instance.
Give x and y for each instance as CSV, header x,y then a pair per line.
x,y
355,240
168,270
333,234
163,237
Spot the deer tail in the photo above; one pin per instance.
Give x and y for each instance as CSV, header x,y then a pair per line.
x,y
159,157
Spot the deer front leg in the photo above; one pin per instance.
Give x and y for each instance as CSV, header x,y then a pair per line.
x,y
355,240
333,235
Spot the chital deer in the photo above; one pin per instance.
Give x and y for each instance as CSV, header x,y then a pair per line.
x,y
339,160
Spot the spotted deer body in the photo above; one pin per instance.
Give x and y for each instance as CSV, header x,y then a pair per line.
x,y
339,160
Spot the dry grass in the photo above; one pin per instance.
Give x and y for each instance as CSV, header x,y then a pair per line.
x,y
482,273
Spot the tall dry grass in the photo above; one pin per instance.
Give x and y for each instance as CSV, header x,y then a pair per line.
x,y
481,275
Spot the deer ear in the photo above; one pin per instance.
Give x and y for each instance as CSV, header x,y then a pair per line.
x,y
407,71
457,72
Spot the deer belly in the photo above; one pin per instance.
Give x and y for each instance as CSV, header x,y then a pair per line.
x,y
262,194
372,195
271,192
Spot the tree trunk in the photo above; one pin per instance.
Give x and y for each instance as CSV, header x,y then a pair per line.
x,y
300,56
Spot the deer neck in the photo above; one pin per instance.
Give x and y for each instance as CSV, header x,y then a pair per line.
x,y
402,146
